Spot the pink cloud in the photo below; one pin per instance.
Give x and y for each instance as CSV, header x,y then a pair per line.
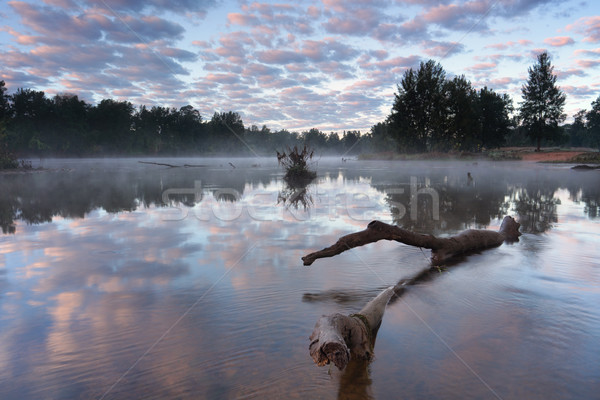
x,y
366,85
483,66
201,43
498,57
409,61
579,91
559,41
414,26
442,49
593,53
509,44
242,19
279,57
222,78
563,74
502,82
587,63
313,12
587,26
458,17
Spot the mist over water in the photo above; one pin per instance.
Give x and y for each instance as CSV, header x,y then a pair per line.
x,y
129,280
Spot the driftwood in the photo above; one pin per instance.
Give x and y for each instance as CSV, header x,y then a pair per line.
x,y
442,249
337,337
585,167
173,166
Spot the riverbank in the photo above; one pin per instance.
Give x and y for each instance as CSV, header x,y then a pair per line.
x,y
553,155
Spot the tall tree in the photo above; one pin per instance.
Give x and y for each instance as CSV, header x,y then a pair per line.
x,y
418,108
494,117
462,131
226,131
111,123
314,138
577,131
4,104
380,137
593,124
542,107
70,123
31,120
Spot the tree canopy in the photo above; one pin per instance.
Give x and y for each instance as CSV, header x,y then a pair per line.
x,y
432,113
542,108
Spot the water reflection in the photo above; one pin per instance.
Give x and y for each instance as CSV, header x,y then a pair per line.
x,y
437,200
296,197
355,382
94,269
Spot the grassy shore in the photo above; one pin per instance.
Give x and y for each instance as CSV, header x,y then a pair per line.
x,y
552,154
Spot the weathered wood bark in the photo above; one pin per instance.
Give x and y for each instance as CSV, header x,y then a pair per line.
x,y
336,338
442,249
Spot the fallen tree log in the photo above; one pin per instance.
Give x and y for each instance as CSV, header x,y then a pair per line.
x,y
337,337
442,249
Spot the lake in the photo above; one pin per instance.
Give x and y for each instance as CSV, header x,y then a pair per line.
x,y
121,279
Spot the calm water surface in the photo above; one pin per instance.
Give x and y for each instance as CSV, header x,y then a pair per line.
x,y
126,280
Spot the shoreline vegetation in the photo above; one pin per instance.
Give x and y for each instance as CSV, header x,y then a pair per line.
x,y
545,155
432,117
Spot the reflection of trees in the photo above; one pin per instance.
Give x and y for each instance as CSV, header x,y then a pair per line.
x,y
295,197
40,196
295,193
450,201
592,203
462,202
535,206
588,193
444,203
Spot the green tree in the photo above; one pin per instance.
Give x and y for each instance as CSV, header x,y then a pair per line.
x,y
188,127
542,107
314,138
593,124
461,130
70,123
7,159
30,125
380,138
226,132
418,108
4,103
149,129
578,131
111,122
350,141
494,117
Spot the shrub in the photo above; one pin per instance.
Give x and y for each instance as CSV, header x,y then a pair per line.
x,y
295,162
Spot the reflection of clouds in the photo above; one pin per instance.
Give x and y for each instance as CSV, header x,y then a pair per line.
x,y
83,299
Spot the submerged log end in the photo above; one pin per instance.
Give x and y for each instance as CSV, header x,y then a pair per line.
x,y
327,343
332,352
509,229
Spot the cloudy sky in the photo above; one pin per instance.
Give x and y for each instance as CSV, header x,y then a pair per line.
x,y
328,64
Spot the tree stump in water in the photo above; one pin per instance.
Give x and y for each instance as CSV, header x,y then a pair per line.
x,y
338,337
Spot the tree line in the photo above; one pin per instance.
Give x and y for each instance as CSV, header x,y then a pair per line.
x,y
430,112
33,124
434,113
